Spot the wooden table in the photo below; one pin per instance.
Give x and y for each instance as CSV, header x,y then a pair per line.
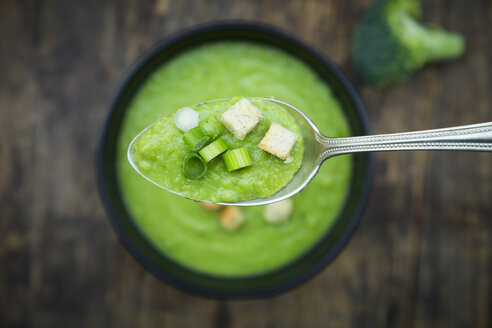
x,y
422,256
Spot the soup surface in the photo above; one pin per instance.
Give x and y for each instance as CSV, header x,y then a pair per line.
x,y
180,228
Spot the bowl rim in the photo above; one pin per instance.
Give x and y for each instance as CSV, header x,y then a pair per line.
x,y
104,192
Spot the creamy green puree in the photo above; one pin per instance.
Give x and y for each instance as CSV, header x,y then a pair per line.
x,y
180,228
159,151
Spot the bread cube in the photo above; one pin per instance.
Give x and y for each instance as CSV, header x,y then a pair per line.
x,y
241,118
231,218
210,206
278,141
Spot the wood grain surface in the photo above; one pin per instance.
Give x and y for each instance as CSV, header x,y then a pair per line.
x,y
422,256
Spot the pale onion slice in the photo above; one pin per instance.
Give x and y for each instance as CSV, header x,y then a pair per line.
x,y
186,119
278,213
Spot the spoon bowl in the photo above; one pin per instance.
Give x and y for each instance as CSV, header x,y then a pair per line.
x,y
309,167
318,148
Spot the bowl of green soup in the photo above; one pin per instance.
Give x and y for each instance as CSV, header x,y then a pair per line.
x,y
176,238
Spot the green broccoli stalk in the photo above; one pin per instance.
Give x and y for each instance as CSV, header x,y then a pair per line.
x,y
389,43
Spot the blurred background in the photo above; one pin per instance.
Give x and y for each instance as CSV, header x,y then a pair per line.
x,y
422,256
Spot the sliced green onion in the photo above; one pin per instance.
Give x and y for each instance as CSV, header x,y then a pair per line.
x,y
236,159
213,150
212,126
194,167
196,138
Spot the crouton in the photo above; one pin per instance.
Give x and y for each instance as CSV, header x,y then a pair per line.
x,y
241,118
278,141
278,212
210,206
231,218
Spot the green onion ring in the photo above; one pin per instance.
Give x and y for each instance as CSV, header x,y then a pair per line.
x,y
213,150
236,159
196,138
194,167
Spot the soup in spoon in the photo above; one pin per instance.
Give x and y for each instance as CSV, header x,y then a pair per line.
x,y
226,150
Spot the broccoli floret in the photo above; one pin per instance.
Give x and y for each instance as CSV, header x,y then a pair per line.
x,y
389,43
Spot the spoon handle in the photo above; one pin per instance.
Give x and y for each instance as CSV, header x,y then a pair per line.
x,y
475,137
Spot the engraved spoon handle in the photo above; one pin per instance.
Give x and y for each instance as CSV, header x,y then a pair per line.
x,y
475,137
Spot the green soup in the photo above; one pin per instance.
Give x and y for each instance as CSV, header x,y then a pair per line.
x,y
159,151
180,228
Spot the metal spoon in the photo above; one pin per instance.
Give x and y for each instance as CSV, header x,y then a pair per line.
x,y
318,148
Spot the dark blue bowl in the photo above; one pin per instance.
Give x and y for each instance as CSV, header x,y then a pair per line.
x,y
261,285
